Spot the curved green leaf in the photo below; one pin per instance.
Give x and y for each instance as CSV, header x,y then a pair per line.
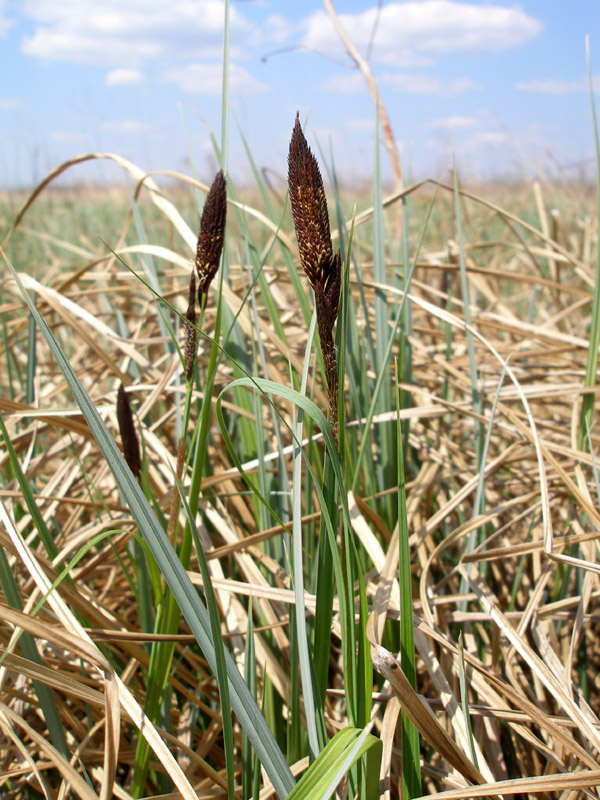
x,y
345,749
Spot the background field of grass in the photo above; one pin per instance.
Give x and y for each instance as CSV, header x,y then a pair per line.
x,y
268,571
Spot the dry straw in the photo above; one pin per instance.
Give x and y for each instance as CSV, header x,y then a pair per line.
x,y
323,269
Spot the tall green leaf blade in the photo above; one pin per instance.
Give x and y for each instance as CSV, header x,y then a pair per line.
x,y
343,578
411,777
383,337
587,406
344,750
175,575
215,622
30,651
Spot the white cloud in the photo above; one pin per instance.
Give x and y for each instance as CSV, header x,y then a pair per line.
x,y
427,84
126,126
491,139
405,31
555,86
477,133
277,28
413,84
5,22
208,79
480,145
455,123
124,77
115,32
345,83
67,137
407,83
360,124
7,103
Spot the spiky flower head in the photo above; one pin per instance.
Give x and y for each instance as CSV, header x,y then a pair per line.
x,y
212,233
131,446
323,269
309,210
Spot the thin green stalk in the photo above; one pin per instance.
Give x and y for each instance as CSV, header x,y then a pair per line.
x,y
464,288
587,406
169,613
411,773
9,357
342,574
382,376
475,393
384,466
215,623
30,651
277,219
150,271
31,359
325,587
248,754
297,740
40,525
324,584
315,723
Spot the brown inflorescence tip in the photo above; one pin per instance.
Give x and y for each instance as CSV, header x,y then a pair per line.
x,y
309,209
191,335
323,269
131,447
212,233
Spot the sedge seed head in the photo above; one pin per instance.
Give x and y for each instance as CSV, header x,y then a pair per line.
x,y
323,269
212,233
309,209
311,221
131,446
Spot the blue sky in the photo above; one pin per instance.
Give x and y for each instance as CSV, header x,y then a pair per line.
x,y
505,81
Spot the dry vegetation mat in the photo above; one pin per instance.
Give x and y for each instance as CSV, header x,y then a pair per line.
x,y
362,538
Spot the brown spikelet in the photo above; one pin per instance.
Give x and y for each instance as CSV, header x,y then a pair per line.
x,y
323,269
212,233
191,335
309,209
131,447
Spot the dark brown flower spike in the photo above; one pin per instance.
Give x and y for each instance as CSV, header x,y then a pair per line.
x,y
212,233
309,209
131,447
323,269
191,335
